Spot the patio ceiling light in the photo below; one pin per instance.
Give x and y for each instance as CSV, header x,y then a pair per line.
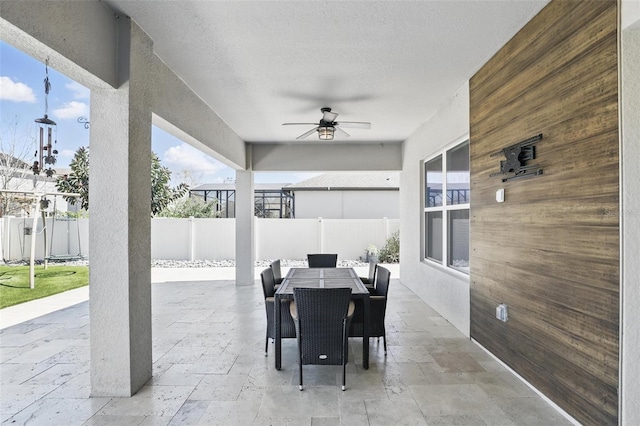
x,y
325,133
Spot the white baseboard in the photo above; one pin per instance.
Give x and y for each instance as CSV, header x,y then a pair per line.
x,y
522,379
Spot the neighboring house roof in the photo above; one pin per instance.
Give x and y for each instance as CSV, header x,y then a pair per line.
x,y
350,181
232,187
8,160
362,181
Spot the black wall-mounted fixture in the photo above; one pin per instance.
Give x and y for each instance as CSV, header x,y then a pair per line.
x,y
517,156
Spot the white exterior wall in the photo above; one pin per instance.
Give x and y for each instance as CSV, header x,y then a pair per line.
x,y
347,204
445,290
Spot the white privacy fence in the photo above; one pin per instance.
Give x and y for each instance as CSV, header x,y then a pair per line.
x,y
65,237
207,239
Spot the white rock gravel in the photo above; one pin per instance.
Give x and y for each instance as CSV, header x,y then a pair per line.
x,y
160,263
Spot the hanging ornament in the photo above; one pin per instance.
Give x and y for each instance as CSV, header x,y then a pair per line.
x,y
45,157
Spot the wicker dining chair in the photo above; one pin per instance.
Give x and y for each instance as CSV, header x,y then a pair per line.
x,y
370,280
277,271
322,260
377,309
287,326
322,317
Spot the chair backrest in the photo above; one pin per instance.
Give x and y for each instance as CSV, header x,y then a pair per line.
x,y
277,272
322,318
322,260
268,283
383,276
373,266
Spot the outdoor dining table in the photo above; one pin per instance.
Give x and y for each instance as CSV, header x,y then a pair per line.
x,y
322,278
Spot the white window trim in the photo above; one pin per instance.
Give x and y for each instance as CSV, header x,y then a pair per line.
x,y
444,208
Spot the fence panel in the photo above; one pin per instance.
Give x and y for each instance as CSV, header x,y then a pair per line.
x,y
286,238
214,239
62,235
351,237
170,238
209,239
69,237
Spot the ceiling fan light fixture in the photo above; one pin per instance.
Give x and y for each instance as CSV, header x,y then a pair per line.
x,y
325,133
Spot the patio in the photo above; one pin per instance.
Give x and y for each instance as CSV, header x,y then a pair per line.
x,y
209,368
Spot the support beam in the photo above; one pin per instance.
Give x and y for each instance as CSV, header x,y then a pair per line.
x,y
85,54
180,112
88,54
245,244
326,157
120,196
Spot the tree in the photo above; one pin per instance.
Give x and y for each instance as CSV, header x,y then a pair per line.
x,y
15,170
191,207
78,181
190,177
161,193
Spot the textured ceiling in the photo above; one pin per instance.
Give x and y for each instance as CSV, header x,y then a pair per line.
x,y
259,64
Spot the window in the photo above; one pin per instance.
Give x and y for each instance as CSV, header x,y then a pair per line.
x,y
446,208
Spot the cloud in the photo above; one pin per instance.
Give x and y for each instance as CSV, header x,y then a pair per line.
x,y
185,157
73,109
78,90
15,91
67,153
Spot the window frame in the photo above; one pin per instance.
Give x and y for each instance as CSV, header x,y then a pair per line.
x,y
445,209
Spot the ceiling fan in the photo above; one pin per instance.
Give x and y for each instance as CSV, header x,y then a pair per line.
x,y
328,126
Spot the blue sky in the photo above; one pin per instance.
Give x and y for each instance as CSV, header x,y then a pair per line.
x,y
22,100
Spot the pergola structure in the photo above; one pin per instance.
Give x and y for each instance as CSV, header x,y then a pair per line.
x,y
224,76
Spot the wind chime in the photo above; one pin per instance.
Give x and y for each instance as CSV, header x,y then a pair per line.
x,y
46,155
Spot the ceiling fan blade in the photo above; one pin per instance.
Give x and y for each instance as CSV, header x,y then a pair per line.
x,y
341,133
354,124
299,124
329,116
304,135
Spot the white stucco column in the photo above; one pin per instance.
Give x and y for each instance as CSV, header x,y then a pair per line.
x,y
120,208
630,218
245,244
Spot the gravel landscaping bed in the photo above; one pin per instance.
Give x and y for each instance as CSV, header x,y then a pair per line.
x,y
159,263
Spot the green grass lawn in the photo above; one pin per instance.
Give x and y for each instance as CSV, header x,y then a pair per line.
x,y
14,282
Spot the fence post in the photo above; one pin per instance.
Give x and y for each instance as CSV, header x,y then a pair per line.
x,y
385,220
256,237
192,242
2,233
320,235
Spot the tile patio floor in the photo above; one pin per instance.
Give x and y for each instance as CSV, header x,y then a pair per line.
x,y
210,369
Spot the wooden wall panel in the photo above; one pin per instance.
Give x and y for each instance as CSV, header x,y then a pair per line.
x,y
551,250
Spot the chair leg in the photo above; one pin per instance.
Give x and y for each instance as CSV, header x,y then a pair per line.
x,y
344,376
384,340
300,385
266,345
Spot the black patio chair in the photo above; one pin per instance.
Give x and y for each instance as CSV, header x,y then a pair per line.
x,y
377,309
322,317
370,280
277,271
322,260
287,326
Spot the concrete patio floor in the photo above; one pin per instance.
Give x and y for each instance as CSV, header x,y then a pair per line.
x,y
210,369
